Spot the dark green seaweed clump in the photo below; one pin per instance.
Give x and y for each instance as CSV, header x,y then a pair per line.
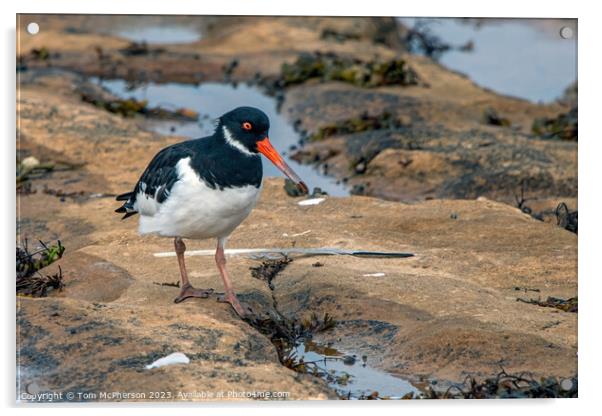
x,y
140,49
34,169
293,190
562,127
28,263
285,332
331,67
566,305
42,54
130,107
337,36
364,122
503,386
420,39
126,108
566,219
491,117
268,269
30,281
508,386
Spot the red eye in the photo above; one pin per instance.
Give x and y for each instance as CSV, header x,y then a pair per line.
x,y
247,126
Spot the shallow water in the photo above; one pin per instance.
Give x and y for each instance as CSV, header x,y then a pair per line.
x,y
525,58
353,377
159,34
211,100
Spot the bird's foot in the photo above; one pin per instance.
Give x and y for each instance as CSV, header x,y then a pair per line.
x,y
190,292
242,309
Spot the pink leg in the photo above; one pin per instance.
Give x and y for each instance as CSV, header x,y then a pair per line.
x,y
186,291
229,296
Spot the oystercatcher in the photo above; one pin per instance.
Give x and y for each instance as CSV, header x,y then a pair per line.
x,y
204,188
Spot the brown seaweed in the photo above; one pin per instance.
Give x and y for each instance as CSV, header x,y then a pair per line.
x,y
331,67
30,282
562,127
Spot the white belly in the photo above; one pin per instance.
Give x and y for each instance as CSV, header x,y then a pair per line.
x,y
194,210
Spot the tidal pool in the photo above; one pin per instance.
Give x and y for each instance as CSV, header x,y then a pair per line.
x,y
525,58
353,377
211,100
158,34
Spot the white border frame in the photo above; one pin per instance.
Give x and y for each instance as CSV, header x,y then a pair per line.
x,y
589,200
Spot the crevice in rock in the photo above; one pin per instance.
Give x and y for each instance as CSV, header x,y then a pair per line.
x,y
284,332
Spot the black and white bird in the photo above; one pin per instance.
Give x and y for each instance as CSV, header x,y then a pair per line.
x,y
204,188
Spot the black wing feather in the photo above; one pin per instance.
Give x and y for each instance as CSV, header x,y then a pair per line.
x,y
217,164
158,178
124,197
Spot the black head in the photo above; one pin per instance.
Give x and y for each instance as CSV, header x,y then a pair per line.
x,y
246,129
247,126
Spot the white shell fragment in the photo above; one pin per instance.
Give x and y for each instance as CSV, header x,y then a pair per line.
x,y
30,162
313,201
175,358
380,274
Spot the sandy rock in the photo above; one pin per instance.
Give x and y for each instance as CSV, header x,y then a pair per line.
x,y
66,345
451,310
259,44
441,151
442,115
447,312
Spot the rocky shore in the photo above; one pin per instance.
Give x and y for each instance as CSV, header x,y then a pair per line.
x,y
472,141
430,174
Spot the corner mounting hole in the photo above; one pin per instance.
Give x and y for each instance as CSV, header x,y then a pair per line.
x,y
566,32
33,28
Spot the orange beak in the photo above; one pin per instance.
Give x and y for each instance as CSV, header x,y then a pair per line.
x,y
266,148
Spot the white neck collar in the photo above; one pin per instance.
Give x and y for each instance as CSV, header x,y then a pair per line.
x,y
235,143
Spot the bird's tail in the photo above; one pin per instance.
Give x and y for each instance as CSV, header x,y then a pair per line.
x,y
124,197
127,207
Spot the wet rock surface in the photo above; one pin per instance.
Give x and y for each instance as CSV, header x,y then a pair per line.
x,y
429,155
68,345
258,44
448,312
329,72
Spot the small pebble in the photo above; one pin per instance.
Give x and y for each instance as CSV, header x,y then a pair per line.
x,y
360,168
348,360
